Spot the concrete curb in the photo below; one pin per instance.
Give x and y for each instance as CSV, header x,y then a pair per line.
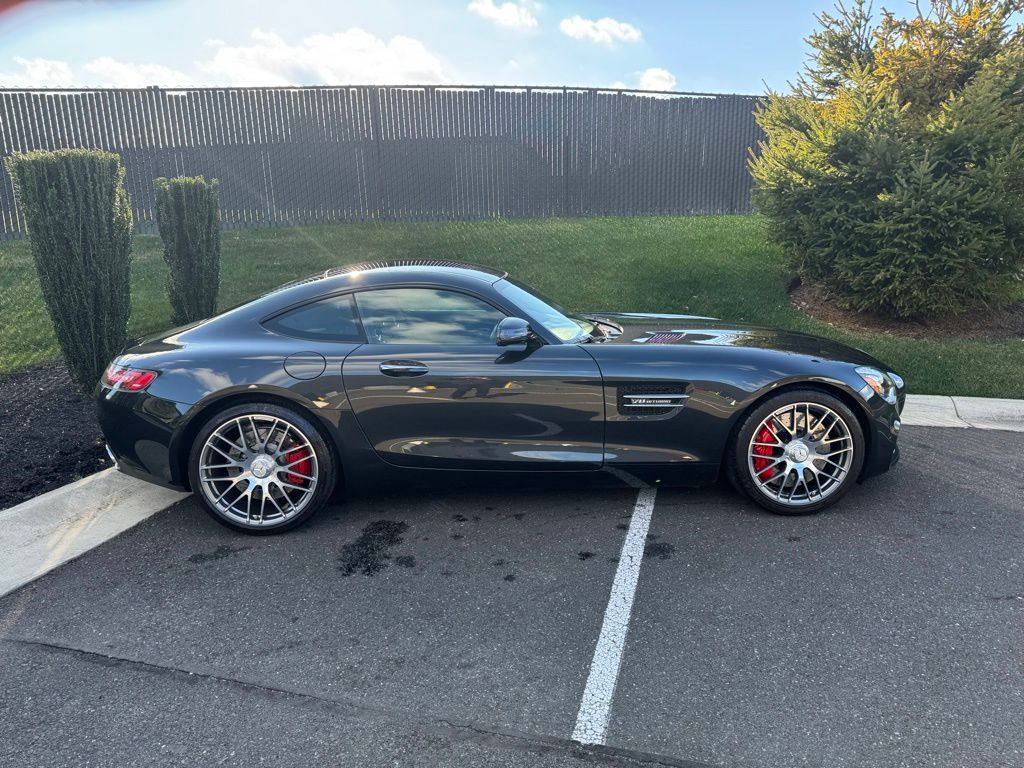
x,y
58,526
964,412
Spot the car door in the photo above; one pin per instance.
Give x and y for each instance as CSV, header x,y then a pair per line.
x,y
432,389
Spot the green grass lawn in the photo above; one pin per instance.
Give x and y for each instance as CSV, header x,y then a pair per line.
x,y
707,265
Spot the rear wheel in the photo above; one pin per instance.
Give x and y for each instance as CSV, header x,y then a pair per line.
x,y
798,452
261,468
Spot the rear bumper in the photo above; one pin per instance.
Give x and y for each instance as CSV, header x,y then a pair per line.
x,y
138,428
133,470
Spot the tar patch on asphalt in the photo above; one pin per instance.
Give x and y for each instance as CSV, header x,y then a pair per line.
x,y
218,554
584,555
659,549
369,553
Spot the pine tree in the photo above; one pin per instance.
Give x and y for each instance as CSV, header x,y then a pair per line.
x,y
893,173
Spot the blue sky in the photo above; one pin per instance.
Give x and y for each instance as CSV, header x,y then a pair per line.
x,y
728,46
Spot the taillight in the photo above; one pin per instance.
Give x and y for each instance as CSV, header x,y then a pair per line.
x,y
127,379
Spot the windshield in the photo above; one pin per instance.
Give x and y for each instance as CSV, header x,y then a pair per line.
x,y
546,312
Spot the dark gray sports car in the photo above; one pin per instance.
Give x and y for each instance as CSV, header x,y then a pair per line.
x,y
377,371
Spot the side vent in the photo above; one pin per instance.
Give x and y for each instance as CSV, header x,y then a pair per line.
x,y
651,399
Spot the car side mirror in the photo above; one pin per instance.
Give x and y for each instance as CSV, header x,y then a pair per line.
x,y
514,330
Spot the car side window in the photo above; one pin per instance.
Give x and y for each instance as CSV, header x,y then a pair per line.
x,y
426,316
330,319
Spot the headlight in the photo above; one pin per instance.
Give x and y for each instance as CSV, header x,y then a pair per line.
x,y
879,383
897,380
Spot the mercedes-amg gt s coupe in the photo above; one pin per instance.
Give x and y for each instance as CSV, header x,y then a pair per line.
x,y
377,372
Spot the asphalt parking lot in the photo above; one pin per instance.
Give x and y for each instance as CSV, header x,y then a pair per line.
x,y
458,628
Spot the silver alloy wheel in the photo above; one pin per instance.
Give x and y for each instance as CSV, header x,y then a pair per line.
x,y
800,454
258,470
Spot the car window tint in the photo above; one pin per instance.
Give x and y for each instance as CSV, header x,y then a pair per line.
x,y
331,319
426,316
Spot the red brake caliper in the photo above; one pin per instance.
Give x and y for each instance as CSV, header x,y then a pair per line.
x,y
304,466
761,466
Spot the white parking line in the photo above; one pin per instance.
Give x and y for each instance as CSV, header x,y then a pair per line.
x,y
595,708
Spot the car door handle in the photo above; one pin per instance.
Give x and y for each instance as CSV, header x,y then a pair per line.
x,y
403,368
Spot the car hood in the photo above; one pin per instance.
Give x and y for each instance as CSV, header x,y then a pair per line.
x,y
640,328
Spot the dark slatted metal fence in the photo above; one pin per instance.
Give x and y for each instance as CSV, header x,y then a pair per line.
x,y
289,156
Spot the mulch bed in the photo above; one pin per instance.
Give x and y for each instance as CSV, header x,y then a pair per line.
x,y
1000,325
49,435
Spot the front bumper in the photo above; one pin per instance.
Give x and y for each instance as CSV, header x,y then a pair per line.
x,y
884,430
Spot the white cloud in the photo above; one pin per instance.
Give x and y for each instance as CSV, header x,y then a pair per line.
x,y
349,57
110,73
103,72
38,73
656,79
607,31
515,15
653,79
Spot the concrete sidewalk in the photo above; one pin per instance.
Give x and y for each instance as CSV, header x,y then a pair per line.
x,y
977,412
58,526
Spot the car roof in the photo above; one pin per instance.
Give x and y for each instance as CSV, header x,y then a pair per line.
x,y
402,269
367,275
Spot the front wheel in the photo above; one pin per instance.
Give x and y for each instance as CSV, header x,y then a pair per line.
x,y
798,452
260,468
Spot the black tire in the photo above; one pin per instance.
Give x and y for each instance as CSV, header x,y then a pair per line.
x,y
323,465
741,471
